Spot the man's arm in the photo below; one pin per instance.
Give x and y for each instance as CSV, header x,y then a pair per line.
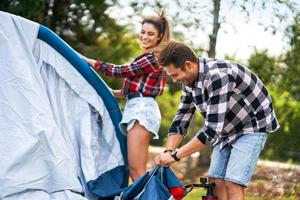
x,y
189,148
173,141
179,125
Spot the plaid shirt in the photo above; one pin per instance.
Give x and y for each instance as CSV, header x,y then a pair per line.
x,y
232,100
143,75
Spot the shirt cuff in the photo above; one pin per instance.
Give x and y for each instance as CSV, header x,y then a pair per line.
x,y
177,131
201,136
97,65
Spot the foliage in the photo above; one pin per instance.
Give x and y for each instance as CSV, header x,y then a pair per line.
x,y
72,20
282,77
265,66
85,26
30,9
168,104
291,78
284,144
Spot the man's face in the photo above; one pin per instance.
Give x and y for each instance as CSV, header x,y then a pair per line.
x,y
186,75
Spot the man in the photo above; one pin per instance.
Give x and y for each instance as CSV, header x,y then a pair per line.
x,y
238,116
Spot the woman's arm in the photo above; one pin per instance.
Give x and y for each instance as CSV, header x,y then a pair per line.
x,y
144,65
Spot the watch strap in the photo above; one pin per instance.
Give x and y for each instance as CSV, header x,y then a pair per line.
x,y
174,155
168,150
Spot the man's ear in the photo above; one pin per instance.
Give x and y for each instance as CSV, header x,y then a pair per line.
x,y
188,65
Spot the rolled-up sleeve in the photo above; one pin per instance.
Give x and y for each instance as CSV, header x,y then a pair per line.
x,y
144,65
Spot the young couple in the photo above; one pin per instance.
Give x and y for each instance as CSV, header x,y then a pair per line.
x,y
235,105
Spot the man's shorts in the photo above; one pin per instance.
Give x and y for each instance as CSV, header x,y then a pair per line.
x,y
145,110
236,162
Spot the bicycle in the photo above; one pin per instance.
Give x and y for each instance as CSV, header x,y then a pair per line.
x,y
203,184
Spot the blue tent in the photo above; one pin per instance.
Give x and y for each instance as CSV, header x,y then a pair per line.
x,y
58,122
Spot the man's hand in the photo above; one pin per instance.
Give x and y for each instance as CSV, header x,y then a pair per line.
x,y
189,148
164,159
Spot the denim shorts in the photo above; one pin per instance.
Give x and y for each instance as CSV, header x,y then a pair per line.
x,y
145,110
236,162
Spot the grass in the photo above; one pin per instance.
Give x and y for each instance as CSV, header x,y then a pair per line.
x,y
196,194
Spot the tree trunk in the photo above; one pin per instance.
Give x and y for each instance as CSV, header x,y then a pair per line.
x,y
216,27
204,159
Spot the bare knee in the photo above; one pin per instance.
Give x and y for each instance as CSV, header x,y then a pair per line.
x,y
137,164
136,172
231,185
234,191
220,189
216,181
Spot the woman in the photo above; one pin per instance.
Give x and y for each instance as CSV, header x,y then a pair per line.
x,y
144,80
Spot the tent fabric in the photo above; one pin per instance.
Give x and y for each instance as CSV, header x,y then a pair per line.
x,y
58,119
156,184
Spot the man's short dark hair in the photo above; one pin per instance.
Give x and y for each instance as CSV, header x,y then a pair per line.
x,y
176,53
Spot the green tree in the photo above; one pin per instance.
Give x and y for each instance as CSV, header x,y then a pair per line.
x,y
168,104
72,20
84,25
284,144
291,78
265,66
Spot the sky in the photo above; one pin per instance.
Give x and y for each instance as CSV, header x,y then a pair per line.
x,y
236,38
241,44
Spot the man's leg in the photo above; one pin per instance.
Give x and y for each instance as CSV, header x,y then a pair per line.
x,y
242,162
217,170
234,191
138,139
219,189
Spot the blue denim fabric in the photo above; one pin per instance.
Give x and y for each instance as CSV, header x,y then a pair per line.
x,y
145,110
236,162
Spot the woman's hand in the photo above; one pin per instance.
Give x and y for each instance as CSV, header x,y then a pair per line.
x,y
90,61
118,93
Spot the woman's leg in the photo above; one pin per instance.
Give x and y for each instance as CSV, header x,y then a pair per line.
x,y
138,140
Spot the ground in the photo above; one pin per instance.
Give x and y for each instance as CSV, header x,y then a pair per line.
x,y
275,182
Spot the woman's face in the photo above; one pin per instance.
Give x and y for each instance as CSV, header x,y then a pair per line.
x,y
149,36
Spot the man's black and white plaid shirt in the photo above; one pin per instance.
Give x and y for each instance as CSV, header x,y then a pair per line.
x,y
232,100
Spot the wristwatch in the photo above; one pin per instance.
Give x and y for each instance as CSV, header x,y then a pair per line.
x,y
174,155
